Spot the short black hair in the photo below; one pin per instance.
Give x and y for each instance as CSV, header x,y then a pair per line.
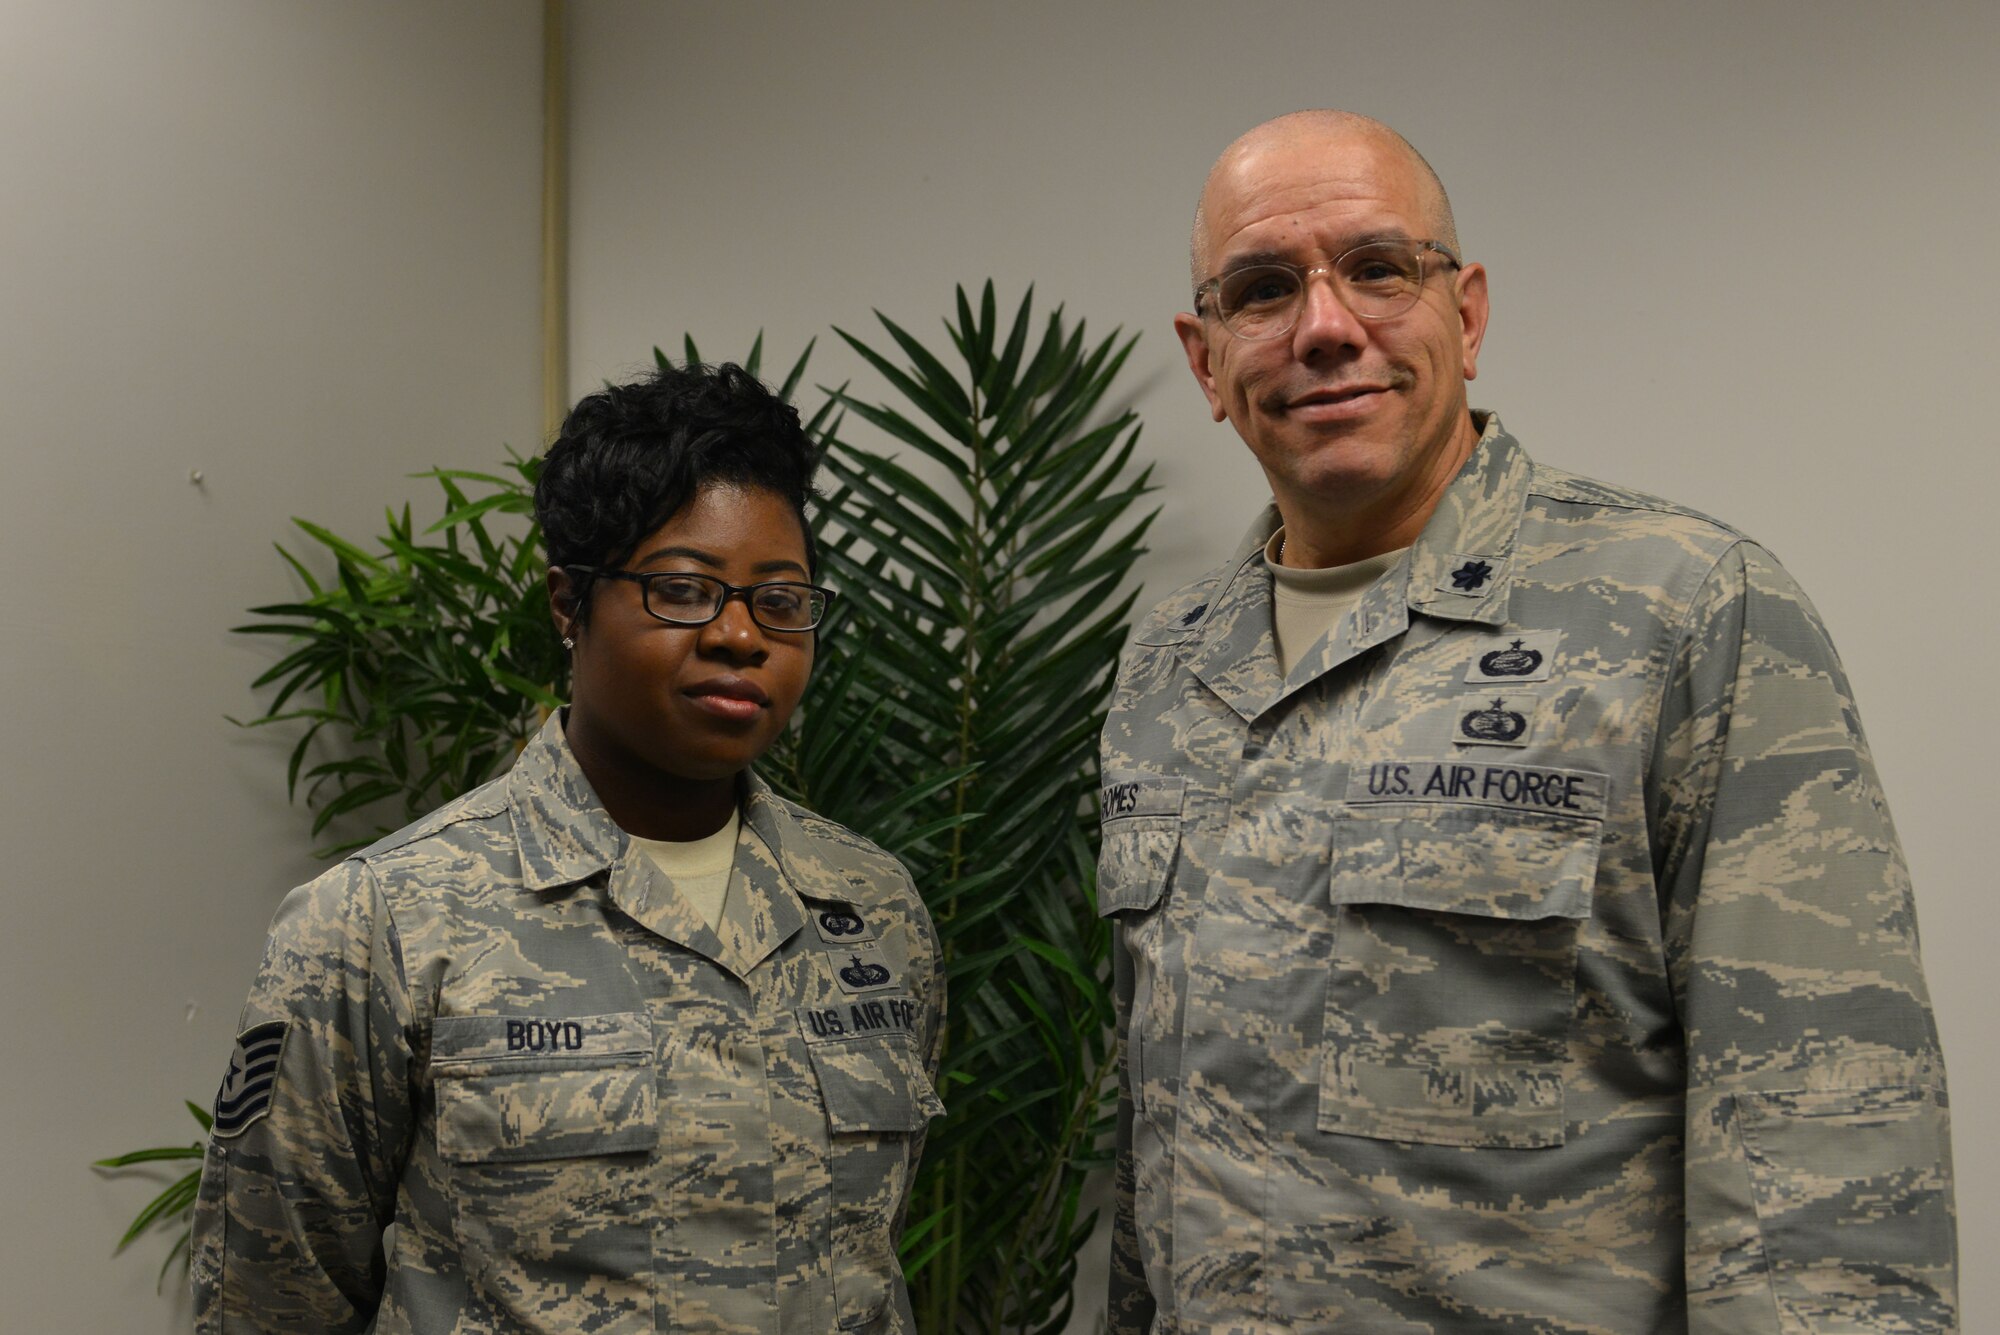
x,y
629,457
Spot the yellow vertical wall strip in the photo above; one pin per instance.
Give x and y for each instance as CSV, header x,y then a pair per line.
x,y
555,219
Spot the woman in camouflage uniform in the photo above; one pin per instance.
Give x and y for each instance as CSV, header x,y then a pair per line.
x,y
621,1041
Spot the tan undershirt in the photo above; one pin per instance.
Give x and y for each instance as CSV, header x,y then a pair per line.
x,y
1306,604
699,868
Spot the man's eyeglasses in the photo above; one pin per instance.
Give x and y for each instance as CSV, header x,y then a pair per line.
x,y
686,599
1377,281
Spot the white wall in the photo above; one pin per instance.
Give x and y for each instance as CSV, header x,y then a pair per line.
x,y
1737,256
293,246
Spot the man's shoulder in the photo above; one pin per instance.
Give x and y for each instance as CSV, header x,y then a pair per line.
x,y
1572,497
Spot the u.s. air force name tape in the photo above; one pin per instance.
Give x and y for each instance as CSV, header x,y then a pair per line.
x,y
1523,787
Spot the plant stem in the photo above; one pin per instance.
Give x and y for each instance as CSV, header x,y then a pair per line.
x,y
1047,1191
974,578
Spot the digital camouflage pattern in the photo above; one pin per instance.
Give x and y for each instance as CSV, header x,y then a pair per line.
x,y
1537,957
584,1109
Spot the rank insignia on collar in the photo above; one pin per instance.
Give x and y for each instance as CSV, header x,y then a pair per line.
x,y
1192,615
246,1089
1506,720
1471,576
1527,655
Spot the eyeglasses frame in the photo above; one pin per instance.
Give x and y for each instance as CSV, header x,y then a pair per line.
x,y
1327,267
644,579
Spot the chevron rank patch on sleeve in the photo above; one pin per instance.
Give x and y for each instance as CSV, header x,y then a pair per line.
x,y
245,1095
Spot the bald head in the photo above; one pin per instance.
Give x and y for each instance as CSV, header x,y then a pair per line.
x,y
1319,131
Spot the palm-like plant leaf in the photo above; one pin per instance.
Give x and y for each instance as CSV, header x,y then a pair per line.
x,y
175,1203
980,642
430,659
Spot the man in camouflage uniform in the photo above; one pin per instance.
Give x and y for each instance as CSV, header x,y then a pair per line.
x,y
1526,948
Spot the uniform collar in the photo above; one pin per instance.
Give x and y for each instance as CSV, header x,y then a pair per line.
x,y
1460,568
563,831
565,836
811,863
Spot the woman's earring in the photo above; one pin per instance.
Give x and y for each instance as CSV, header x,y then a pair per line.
x,y
568,643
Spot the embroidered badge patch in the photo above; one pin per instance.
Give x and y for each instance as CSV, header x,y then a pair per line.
x,y
245,1095
1526,656
861,968
841,924
1504,720
1192,615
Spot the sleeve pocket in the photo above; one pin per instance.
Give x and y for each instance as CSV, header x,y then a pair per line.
x,y
1141,835
1852,1189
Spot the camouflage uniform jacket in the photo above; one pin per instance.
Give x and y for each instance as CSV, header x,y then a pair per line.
x,y
583,1108
1537,957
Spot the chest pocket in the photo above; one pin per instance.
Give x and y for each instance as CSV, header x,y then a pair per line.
x,y
544,1129
1453,978
877,1098
1135,864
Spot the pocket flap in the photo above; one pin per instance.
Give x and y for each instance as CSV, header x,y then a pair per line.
x,y
1486,861
1141,833
517,1088
1132,870
870,1082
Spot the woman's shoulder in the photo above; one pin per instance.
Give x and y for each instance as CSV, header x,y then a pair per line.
x,y
444,831
469,835
831,860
